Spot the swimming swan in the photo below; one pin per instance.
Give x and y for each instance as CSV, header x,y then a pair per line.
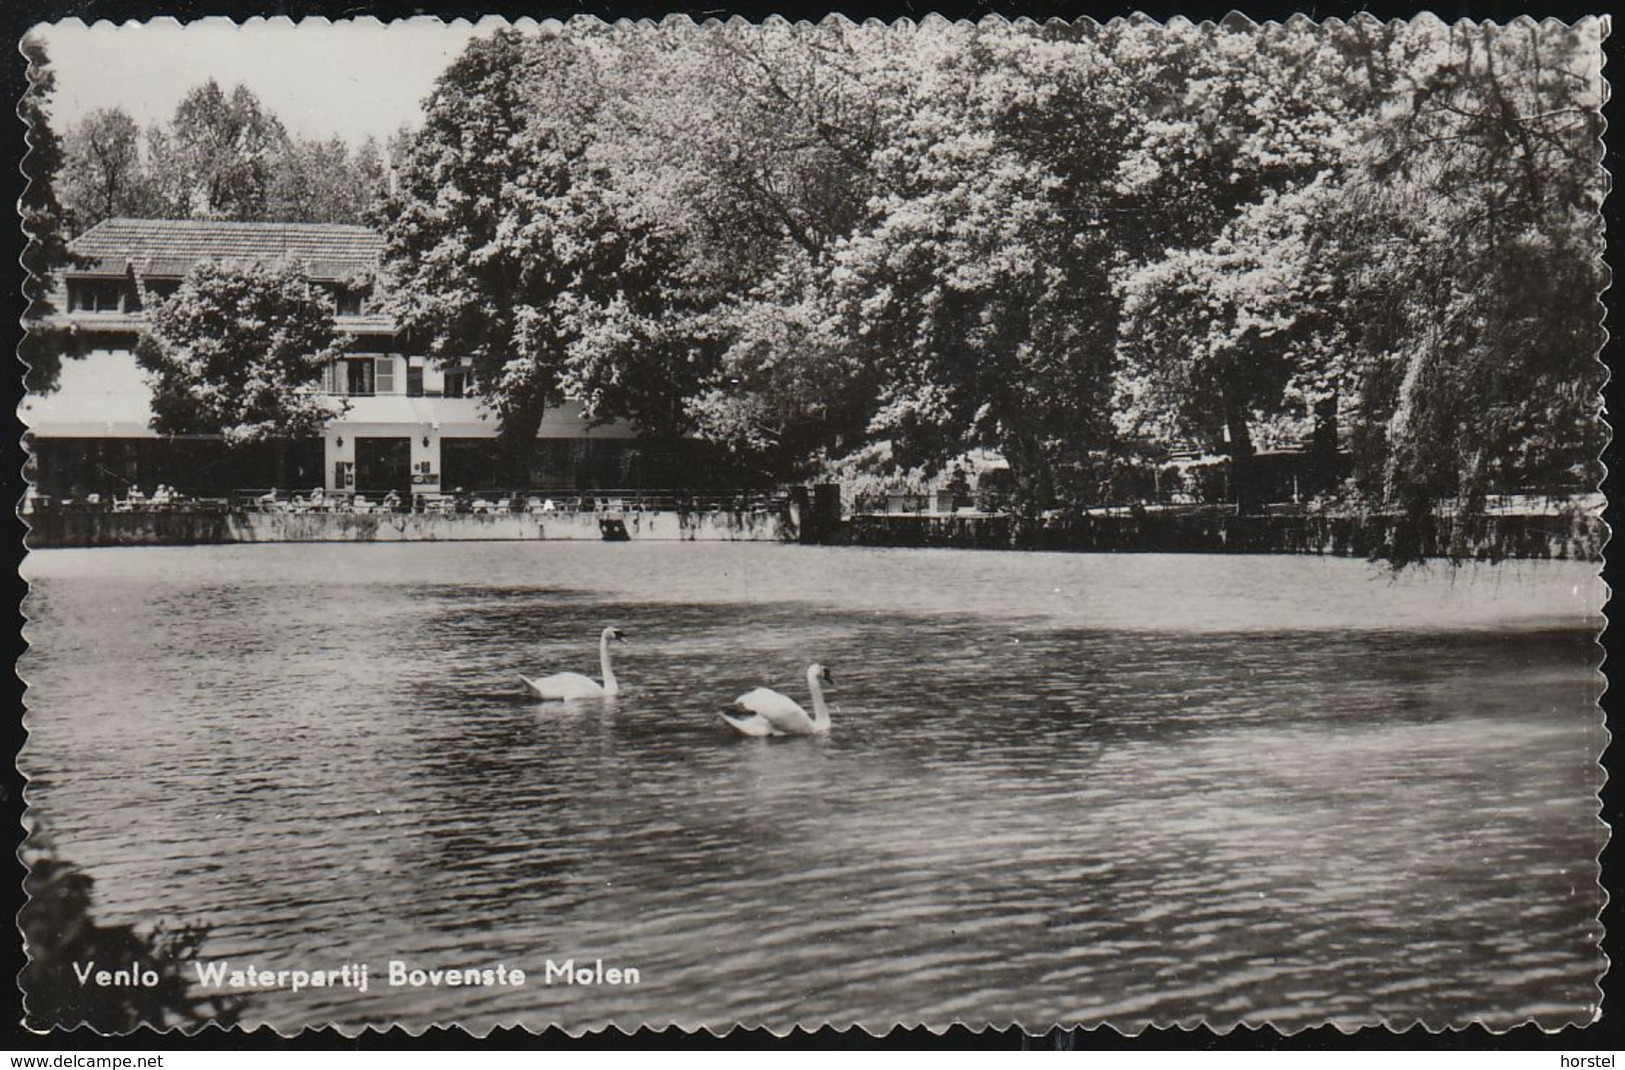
x,y
765,712
568,685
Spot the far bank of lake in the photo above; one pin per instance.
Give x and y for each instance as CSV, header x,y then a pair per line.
x,y
1572,535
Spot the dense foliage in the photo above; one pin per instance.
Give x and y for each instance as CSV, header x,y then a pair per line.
x,y
46,224
222,156
239,351
60,933
1077,246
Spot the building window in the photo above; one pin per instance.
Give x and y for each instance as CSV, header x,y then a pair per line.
x,y
359,377
348,302
95,295
414,380
456,382
384,375
470,463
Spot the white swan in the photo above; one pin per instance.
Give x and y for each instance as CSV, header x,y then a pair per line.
x,y
568,685
765,712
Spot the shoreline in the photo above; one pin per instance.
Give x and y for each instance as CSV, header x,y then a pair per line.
x,y
1494,537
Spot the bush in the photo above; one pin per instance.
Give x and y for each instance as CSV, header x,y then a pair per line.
x,y
59,932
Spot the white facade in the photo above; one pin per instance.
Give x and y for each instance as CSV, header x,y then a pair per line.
x,y
403,411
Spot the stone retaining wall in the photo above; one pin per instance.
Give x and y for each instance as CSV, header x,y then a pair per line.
x,y
1571,536
1574,536
61,528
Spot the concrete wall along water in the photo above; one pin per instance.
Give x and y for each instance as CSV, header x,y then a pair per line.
x,y
1572,536
63,528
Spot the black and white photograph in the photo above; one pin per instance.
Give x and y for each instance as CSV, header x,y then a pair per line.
x,y
774,524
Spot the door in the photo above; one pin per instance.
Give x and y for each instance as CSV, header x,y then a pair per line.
x,y
383,465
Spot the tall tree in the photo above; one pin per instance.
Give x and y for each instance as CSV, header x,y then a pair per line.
x,y
238,352
218,157
369,179
981,286
751,148
1219,340
508,243
103,171
46,223
464,277
1476,268
1240,135
317,182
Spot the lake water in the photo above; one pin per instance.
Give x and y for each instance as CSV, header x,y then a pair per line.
x,y
1059,788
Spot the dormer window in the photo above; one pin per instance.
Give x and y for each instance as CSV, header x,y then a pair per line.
x,y
95,295
348,302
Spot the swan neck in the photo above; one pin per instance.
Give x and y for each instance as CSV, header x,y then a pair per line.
x,y
820,711
610,686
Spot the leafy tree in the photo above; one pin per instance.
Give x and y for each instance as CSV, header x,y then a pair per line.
x,y
369,179
981,285
471,274
46,223
637,328
712,163
59,933
1477,240
222,157
322,182
239,352
218,157
1052,242
750,147
788,393
1220,339
1239,140
509,242
104,175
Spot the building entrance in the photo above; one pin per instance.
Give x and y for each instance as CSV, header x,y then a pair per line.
x,y
383,465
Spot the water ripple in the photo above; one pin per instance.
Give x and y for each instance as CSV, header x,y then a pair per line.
x,y
1059,788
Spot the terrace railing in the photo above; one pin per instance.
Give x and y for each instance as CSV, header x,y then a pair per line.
x,y
486,502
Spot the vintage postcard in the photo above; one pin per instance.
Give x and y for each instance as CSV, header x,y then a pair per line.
x,y
784,524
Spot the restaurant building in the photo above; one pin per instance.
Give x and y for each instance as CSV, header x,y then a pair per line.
x,y
414,424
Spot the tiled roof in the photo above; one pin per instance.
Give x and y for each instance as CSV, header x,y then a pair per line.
x,y
170,246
